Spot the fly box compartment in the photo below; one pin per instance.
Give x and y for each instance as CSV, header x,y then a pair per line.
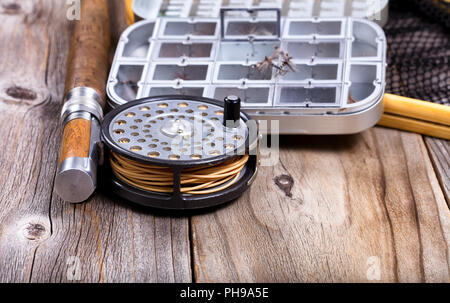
x,y
312,75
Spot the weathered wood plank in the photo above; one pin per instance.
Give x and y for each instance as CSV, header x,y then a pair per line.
x,y
28,119
111,242
356,200
439,151
41,237
365,207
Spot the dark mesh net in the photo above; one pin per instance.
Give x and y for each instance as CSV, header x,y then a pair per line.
x,y
418,52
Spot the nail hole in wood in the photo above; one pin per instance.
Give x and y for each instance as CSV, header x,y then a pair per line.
x,y
285,183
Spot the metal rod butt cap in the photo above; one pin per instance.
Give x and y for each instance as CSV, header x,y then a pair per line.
x,y
76,179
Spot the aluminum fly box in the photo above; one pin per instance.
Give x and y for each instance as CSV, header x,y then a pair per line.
x,y
334,82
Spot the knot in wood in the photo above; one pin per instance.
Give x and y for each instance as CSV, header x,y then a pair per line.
x,y
21,93
35,231
11,8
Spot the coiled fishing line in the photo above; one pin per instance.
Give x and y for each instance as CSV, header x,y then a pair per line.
x,y
178,152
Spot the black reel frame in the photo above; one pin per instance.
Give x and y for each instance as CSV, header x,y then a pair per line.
x,y
175,200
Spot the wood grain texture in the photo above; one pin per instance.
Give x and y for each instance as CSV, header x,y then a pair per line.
x,y
439,151
75,139
87,63
104,240
356,202
41,237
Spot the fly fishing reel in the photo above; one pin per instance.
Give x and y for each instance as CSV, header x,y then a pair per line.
x,y
180,152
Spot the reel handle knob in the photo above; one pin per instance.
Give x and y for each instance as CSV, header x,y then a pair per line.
x,y
232,111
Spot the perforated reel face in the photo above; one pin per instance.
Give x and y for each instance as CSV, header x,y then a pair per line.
x,y
176,130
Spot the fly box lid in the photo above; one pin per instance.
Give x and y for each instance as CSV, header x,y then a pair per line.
x,y
310,75
376,10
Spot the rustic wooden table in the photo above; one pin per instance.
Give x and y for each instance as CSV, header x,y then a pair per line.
x,y
366,207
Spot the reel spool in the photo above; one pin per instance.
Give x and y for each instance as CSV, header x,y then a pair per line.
x,y
180,152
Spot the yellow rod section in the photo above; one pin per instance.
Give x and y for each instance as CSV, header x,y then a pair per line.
x,y
129,11
416,126
417,109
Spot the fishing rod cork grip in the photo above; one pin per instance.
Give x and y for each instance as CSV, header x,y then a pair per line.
x,y
84,100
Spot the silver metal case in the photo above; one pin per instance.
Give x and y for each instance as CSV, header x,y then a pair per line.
x,y
337,89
